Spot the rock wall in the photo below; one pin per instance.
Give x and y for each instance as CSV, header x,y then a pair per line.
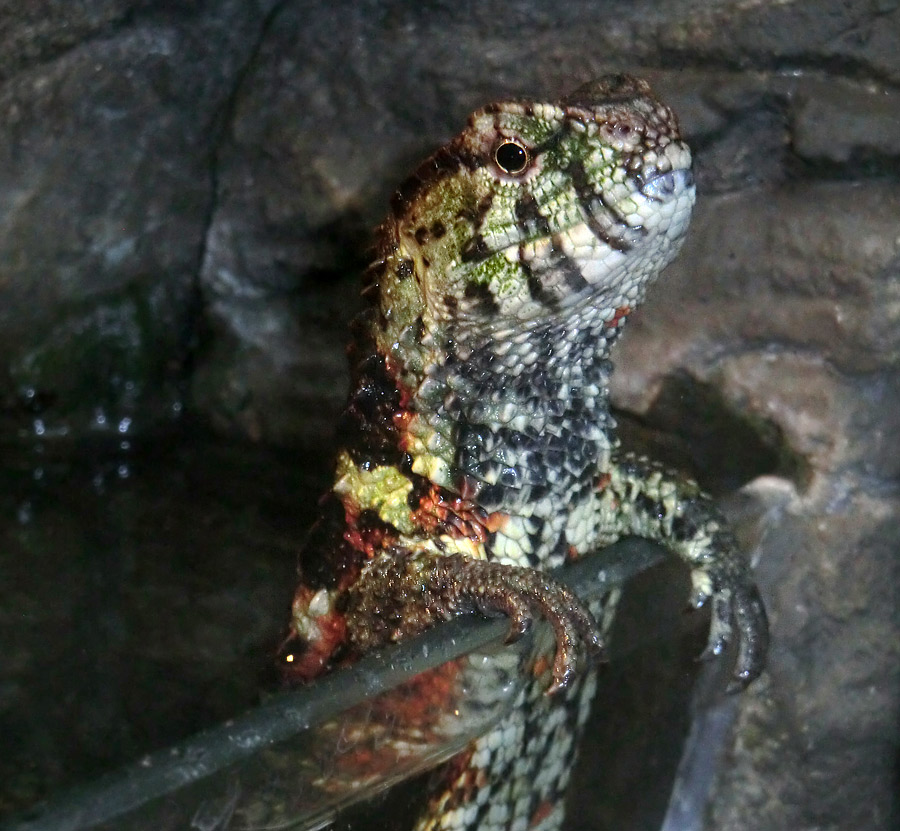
x,y
186,193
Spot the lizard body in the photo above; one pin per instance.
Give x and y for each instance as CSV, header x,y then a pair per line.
x,y
477,448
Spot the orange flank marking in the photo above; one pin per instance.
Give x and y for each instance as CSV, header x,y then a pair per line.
x,y
621,313
369,540
349,575
541,813
366,536
603,482
393,369
496,521
572,553
440,512
458,766
377,736
404,414
423,699
464,781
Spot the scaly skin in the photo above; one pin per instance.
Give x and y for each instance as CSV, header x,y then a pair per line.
x,y
477,444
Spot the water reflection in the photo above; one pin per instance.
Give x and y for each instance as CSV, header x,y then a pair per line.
x,y
144,583
145,607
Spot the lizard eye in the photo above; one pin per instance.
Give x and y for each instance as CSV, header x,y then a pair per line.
x,y
511,157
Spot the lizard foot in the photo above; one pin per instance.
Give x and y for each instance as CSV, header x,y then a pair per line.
x,y
736,604
401,596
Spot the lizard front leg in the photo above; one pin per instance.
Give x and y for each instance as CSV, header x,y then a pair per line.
x,y
398,596
402,592
643,498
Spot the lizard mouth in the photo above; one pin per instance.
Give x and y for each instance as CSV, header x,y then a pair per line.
x,y
616,222
603,227
662,186
607,221
598,255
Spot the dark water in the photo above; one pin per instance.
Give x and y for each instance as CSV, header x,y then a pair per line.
x,y
145,589
143,593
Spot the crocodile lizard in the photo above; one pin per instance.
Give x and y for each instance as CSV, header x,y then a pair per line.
x,y
477,446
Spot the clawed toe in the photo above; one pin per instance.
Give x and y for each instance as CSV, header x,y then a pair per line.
x,y
738,611
753,626
525,594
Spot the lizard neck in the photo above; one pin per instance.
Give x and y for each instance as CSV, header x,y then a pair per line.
x,y
517,423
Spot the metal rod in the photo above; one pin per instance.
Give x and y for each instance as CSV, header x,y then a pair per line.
x,y
286,716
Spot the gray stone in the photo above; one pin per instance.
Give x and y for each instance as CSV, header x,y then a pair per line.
x,y
813,265
105,190
839,121
42,30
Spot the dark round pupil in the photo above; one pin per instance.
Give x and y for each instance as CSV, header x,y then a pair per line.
x,y
511,157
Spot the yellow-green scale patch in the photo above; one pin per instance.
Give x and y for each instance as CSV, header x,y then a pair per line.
x,y
380,488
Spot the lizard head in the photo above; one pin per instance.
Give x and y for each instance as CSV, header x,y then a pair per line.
x,y
536,209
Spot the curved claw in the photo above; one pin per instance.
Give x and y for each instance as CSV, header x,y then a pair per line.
x,y
753,626
523,594
577,636
519,625
401,596
736,603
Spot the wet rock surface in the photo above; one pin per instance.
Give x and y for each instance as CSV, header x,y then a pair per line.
x,y
187,191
